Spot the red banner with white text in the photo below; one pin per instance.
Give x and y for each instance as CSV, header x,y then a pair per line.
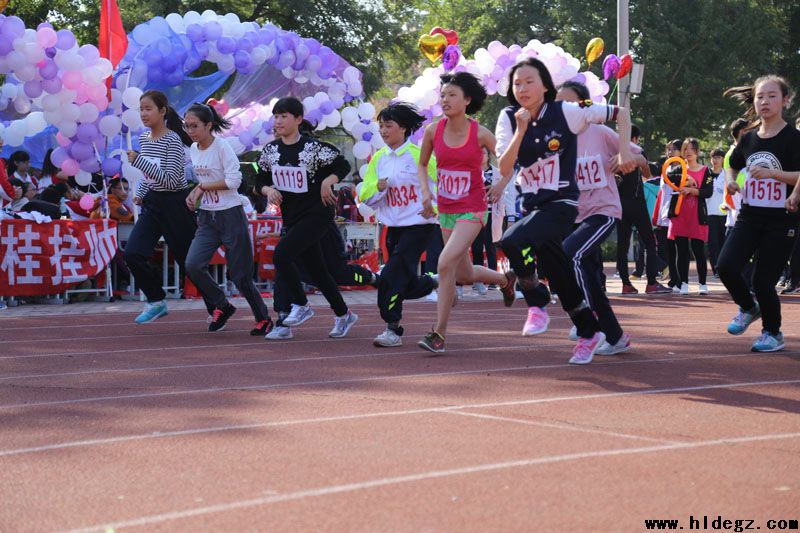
x,y
40,259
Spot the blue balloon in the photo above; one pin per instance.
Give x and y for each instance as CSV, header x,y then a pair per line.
x,y
194,32
241,59
152,56
246,44
111,166
226,45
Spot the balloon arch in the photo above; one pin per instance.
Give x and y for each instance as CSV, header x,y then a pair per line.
x,y
56,87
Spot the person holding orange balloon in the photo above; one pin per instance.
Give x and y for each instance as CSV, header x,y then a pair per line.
x,y
688,215
767,224
666,247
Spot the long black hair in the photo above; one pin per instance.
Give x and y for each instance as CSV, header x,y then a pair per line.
x,y
746,95
48,168
20,156
406,116
544,74
208,115
293,106
471,86
172,119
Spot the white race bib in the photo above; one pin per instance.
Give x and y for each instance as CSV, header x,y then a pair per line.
x,y
590,173
544,174
290,179
453,184
210,198
764,193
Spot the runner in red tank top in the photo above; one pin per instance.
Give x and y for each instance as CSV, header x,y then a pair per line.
x,y
457,142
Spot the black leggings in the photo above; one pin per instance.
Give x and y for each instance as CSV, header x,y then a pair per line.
x,y
484,240
301,244
699,251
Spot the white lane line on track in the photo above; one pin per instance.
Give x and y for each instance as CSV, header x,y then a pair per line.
x,y
553,425
272,386
433,474
512,403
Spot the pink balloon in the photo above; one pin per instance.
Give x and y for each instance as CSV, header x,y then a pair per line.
x,y
46,37
72,79
61,140
70,167
86,202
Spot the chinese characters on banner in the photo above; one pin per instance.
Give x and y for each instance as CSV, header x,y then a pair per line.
x,y
40,259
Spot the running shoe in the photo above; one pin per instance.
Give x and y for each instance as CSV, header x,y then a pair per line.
x,y
684,290
342,325
388,339
636,275
509,292
627,288
433,342
768,342
622,345
573,333
480,288
676,289
433,296
536,323
262,327
152,311
3,305
220,317
743,319
657,288
299,315
703,289
586,348
791,288
279,333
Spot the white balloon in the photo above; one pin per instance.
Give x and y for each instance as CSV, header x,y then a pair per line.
x,y
110,125
50,102
362,172
132,174
130,97
175,22
365,210
355,88
88,113
34,123
349,117
71,112
132,119
67,128
83,178
366,111
334,119
361,149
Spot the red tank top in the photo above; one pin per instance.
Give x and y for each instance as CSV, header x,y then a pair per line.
x,y
458,169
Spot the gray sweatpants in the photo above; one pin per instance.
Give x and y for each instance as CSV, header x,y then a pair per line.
x,y
227,228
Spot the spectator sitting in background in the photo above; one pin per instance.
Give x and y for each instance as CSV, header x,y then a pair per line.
x,y
28,194
19,165
28,202
118,189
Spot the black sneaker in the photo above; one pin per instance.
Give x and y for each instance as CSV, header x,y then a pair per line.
x,y
433,342
262,328
220,316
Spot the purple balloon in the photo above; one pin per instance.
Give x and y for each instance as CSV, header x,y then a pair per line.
x,y
174,78
226,45
367,136
450,57
33,88
44,25
87,133
195,32
13,28
50,52
169,64
6,46
49,70
64,40
246,138
52,86
201,49
314,116
111,166
266,35
246,44
579,77
89,53
90,165
152,56
326,107
241,59
313,45
212,30
59,155
81,150
611,66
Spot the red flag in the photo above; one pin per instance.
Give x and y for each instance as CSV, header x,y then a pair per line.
x,y
113,41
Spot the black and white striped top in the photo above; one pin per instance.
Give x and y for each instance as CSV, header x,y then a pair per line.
x,y
162,161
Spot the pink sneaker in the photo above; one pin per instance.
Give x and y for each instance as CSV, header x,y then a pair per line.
x,y
537,322
586,348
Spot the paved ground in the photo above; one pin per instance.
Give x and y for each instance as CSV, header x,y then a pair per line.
x,y
107,425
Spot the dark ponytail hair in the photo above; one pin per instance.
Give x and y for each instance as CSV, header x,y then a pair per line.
x,y
208,115
20,156
172,119
471,86
544,74
48,168
306,128
746,95
406,115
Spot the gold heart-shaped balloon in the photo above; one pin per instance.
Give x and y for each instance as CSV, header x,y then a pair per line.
x,y
432,46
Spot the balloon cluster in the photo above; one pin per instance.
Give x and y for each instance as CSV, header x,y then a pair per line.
x,y
52,80
617,67
491,65
358,122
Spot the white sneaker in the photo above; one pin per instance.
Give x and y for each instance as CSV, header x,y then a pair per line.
x,y
433,296
573,333
459,291
703,289
676,289
480,288
622,345
684,289
342,325
279,333
518,295
299,314
387,339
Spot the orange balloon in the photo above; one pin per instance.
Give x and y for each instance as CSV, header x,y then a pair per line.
x,y
432,46
684,178
594,49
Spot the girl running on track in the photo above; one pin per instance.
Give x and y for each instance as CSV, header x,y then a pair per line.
x,y
391,188
221,220
458,141
599,208
766,226
689,226
162,195
544,146
298,172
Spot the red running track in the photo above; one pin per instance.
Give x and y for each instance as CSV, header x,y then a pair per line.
x,y
166,427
